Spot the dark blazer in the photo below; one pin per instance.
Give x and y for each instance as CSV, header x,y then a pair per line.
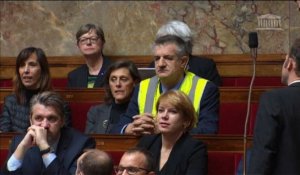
x,y
78,78
102,118
188,156
71,145
15,117
203,67
98,119
276,141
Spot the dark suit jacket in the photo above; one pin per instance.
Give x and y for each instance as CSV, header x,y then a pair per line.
x,y
188,156
78,78
70,147
276,142
102,118
98,119
203,67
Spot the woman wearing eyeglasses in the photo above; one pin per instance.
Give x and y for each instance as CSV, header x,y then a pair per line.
x,y
90,42
175,151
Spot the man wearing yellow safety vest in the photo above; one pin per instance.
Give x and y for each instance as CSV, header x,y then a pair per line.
x,y
171,57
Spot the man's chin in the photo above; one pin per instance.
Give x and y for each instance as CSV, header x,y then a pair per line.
x,y
162,76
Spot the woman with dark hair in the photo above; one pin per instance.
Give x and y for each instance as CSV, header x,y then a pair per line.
x,y
174,149
32,76
120,79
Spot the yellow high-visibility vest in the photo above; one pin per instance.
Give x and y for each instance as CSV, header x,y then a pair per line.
x,y
149,92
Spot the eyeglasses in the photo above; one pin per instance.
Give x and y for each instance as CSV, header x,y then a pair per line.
x,y
92,40
129,170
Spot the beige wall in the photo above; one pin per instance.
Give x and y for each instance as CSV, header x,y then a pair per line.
x,y
220,27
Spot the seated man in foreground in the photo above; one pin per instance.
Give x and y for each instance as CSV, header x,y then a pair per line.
x,y
48,147
171,56
137,161
94,162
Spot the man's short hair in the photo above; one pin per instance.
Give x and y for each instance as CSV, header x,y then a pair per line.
x,y
49,98
95,161
88,27
179,29
149,164
182,49
295,54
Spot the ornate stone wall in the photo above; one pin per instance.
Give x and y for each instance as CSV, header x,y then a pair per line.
x,y
219,27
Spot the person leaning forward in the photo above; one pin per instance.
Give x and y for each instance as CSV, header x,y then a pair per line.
x,y
48,147
170,55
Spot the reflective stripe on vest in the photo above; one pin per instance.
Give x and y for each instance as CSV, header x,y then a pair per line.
x,y
149,92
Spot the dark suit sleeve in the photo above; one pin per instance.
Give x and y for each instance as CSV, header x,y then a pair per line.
x,y
57,167
68,117
70,81
91,120
13,146
212,73
77,78
266,133
146,141
5,118
197,162
209,111
132,110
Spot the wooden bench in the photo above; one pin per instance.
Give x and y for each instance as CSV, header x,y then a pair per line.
x,y
224,152
227,94
232,110
235,69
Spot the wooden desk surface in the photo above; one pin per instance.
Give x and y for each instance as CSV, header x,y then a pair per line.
x,y
227,94
231,143
228,65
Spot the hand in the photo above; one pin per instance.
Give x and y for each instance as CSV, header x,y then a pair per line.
x,y
28,141
40,136
141,125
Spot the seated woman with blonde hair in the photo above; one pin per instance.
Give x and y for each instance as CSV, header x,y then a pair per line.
x,y
175,151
